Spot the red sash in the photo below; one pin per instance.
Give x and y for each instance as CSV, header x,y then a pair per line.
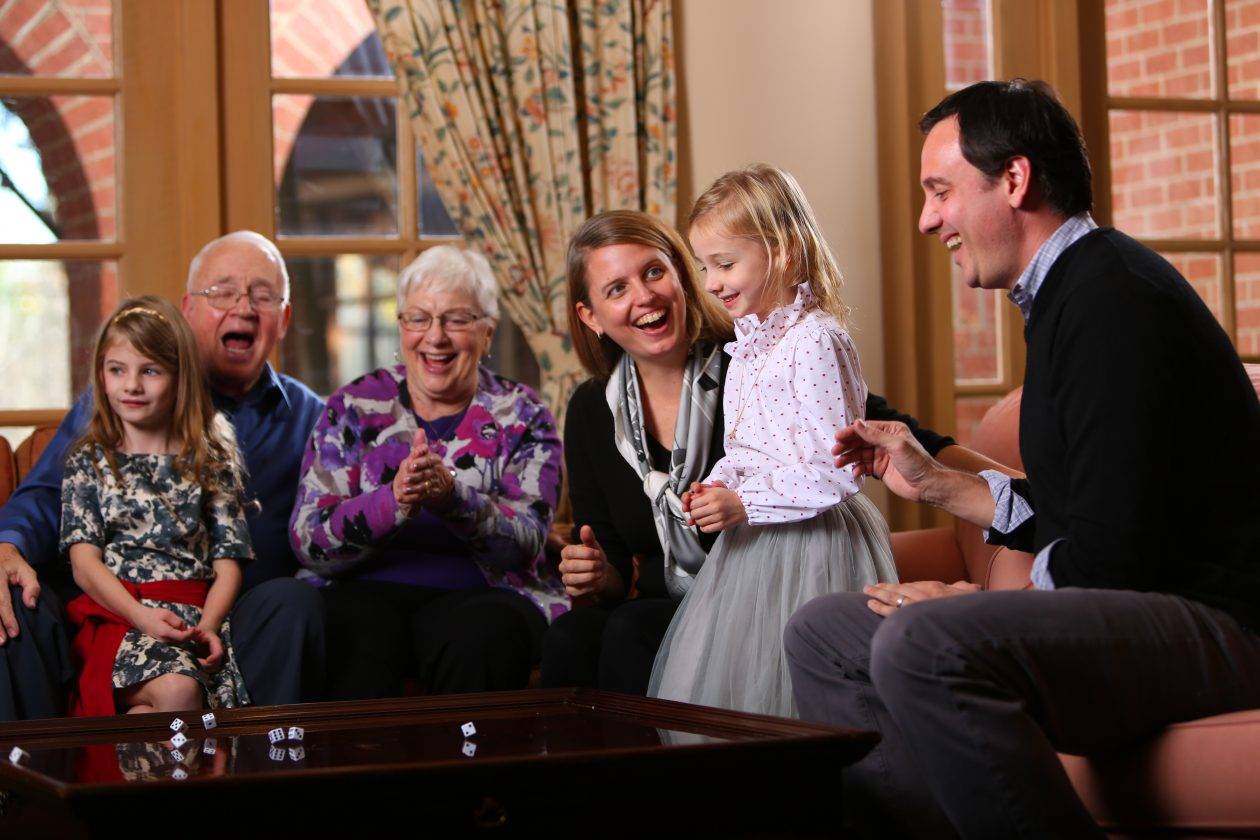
x,y
95,645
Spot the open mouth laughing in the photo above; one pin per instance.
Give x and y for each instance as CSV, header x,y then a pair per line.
x,y
238,344
654,322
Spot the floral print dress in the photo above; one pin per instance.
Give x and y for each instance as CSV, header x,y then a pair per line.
x,y
154,524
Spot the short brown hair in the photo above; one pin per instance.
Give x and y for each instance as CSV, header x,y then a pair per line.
x,y
705,319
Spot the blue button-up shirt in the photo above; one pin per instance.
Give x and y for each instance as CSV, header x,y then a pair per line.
x,y
273,421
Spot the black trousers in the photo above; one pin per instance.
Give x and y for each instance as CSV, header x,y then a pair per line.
x,y
454,642
277,633
975,694
611,648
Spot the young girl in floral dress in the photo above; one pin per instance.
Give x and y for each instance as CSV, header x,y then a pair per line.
x,y
153,525
793,525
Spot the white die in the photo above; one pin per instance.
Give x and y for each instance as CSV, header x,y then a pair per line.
x,y
468,729
17,755
177,756
179,739
276,735
210,747
296,733
177,725
208,720
276,753
179,774
470,749
297,753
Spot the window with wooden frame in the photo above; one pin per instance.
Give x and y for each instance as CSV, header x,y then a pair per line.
x,y
1177,131
73,74
322,158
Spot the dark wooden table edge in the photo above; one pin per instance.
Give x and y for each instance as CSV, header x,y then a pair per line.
x,y
661,713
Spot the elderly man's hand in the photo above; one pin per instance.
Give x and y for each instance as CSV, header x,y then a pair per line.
x,y
887,598
886,450
16,572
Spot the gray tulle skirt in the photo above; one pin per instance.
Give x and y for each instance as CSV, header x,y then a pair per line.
x,y
725,645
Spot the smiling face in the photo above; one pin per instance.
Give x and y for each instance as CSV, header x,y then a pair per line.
x,y
236,342
139,390
974,216
736,270
442,365
636,300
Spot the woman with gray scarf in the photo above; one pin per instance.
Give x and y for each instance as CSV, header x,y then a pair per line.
x,y
637,434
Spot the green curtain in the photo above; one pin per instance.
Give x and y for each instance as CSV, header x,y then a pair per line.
x,y
532,115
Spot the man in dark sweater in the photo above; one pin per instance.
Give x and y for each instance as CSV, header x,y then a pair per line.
x,y
1145,595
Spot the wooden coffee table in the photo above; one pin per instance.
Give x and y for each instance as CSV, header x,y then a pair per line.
x,y
564,760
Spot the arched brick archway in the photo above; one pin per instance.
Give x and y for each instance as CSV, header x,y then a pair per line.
x,y
74,136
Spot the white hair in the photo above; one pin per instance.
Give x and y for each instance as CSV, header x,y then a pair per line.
x,y
445,268
243,237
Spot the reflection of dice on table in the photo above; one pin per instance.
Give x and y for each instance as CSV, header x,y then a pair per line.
x,y
276,753
17,755
297,753
177,756
470,749
468,729
179,774
210,747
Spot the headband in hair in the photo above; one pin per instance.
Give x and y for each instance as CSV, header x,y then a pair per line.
x,y
138,310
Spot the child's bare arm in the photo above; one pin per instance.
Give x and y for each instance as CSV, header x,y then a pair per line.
x,y
103,587
222,594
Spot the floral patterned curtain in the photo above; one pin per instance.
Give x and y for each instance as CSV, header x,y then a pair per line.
x,y
523,145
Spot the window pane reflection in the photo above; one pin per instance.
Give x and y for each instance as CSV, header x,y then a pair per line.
x,y
967,48
57,168
1163,174
68,38
50,311
321,38
344,318
1159,48
335,160
434,220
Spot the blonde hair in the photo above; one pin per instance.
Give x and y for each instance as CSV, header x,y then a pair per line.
x,y
766,205
705,318
157,330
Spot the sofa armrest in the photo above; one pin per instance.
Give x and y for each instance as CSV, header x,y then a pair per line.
x,y
928,554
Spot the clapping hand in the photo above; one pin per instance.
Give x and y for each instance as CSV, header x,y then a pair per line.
x,y
422,480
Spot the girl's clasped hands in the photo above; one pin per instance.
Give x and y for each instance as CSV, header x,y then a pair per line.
x,y
712,507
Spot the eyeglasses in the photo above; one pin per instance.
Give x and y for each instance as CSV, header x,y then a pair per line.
x,y
260,297
452,322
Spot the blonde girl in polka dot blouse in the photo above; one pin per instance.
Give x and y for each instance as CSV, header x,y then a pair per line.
x,y
792,525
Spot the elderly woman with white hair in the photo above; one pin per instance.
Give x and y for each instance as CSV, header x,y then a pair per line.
x,y
426,494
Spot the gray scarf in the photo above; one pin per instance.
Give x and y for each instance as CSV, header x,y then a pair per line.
x,y
693,434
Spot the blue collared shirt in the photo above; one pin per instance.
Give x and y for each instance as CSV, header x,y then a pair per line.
x,y
272,421
1010,510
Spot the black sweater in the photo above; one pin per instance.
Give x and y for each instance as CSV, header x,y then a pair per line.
x,y
1140,433
607,494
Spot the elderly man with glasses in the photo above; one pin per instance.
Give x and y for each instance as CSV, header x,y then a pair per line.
x,y
426,494
238,306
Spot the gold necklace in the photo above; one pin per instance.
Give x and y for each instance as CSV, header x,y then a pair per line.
x,y
745,397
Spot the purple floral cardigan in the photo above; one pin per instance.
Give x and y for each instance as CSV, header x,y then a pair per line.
x,y
506,454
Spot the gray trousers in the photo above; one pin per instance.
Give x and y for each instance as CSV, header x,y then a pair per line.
x,y
973,696
277,633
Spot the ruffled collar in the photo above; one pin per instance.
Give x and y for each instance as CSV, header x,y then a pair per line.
x,y
754,337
